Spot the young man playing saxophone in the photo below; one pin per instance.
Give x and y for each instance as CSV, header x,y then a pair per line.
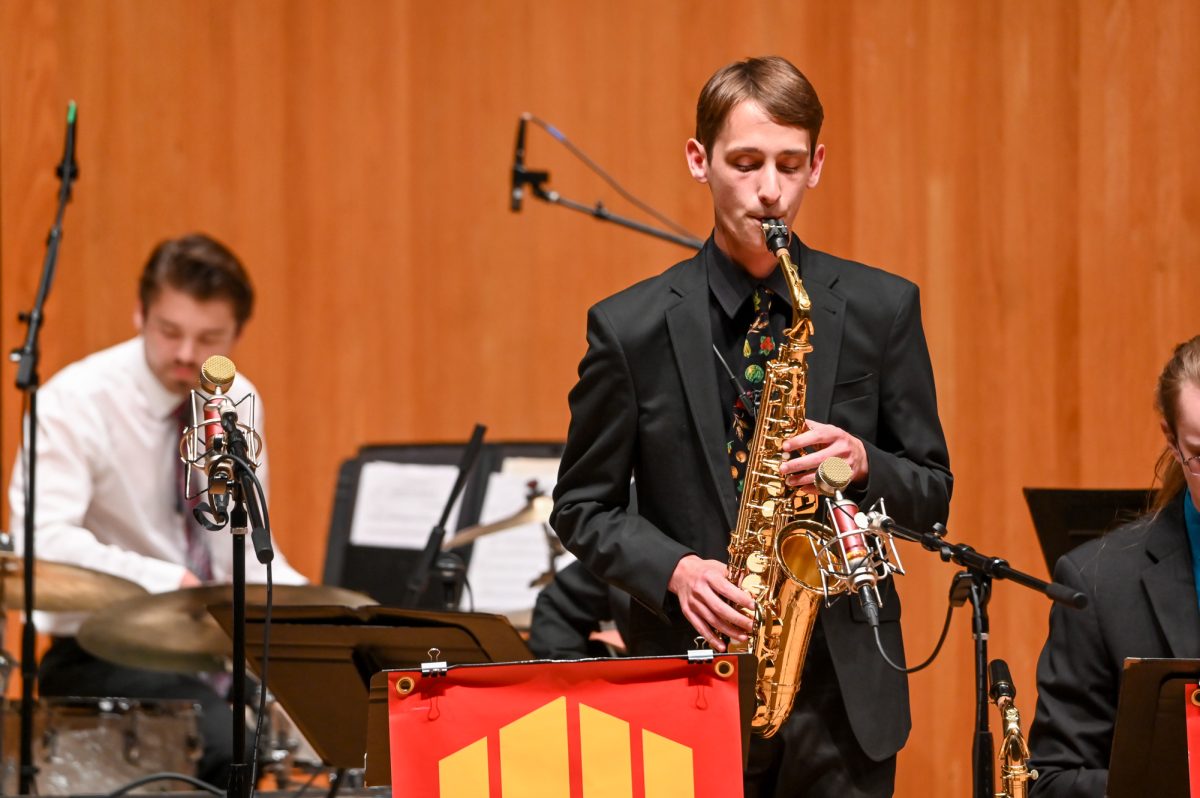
x,y
654,402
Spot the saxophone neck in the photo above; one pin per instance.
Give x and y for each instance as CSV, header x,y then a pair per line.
x,y
801,303
778,236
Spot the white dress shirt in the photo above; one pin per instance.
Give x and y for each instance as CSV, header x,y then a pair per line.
x,y
107,449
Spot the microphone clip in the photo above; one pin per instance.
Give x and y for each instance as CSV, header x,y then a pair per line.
x,y
211,519
534,178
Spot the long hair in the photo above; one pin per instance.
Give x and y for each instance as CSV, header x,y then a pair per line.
x,y
1182,369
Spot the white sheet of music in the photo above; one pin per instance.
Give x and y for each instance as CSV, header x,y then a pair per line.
x,y
504,563
398,504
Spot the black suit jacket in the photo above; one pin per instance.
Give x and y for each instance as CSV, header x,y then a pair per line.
x,y
647,405
1141,603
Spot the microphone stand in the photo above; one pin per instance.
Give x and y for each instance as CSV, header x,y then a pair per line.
x,y
246,512
536,180
27,381
975,583
448,564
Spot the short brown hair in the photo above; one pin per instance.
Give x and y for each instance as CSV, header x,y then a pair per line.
x,y
201,267
772,82
1182,369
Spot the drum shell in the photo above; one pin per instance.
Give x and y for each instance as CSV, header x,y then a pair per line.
x,y
95,745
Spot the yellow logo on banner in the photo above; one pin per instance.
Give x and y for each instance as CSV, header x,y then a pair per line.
x,y
535,763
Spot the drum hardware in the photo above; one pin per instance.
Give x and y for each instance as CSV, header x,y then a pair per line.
x,y
537,510
283,750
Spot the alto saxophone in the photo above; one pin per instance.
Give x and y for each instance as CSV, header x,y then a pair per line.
x,y
1015,774
780,553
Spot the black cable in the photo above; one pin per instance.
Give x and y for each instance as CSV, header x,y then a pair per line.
x,y
304,787
153,777
607,178
936,649
335,783
746,395
262,694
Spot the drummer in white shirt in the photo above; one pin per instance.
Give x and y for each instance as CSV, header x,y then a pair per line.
x,y
108,488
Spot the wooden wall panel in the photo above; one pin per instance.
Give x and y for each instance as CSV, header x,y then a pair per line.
x,y
1030,164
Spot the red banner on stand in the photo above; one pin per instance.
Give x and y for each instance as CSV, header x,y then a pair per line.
x,y
621,728
1191,700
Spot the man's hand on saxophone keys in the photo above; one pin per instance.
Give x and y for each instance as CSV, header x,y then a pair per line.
x,y
817,443
705,595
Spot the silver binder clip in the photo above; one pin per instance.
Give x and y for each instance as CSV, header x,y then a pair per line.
x,y
435,666
701,653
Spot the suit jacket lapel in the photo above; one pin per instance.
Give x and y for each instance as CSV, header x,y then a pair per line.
x,y
1171,584
691,339
829,314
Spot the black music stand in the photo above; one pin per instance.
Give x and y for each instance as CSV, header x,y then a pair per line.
x,y
322,660
1066,517
1149,753
382,573
379,758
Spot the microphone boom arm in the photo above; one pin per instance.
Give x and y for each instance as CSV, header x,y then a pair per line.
x,y
602,213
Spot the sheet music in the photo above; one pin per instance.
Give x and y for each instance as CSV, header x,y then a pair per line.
x,y
398,503
504,563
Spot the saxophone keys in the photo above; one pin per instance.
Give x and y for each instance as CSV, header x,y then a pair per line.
x,y
757,563
754,585
767,508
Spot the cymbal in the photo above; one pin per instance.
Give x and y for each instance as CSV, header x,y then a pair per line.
x,y
537,511
61,587
175,632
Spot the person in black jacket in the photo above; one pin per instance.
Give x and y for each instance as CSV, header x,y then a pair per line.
x,y
654,401
1140,581
569,610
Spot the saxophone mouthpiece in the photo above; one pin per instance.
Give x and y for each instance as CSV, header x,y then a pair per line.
x,y
1001,681
777,234
833,475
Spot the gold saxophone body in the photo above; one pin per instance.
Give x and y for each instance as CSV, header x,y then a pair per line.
x,y
779,552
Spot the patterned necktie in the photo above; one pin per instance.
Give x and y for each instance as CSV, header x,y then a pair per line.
x,y
197,558
757,348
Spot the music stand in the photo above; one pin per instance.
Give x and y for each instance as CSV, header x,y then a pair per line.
x,y
1149,753
380,572
379,759
1066,517
322,660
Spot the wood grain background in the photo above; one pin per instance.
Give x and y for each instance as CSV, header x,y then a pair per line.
x,y
1032,164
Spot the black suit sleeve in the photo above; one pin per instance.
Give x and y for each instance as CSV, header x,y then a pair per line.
x,y
566,613
1072,731
591,499
908,463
